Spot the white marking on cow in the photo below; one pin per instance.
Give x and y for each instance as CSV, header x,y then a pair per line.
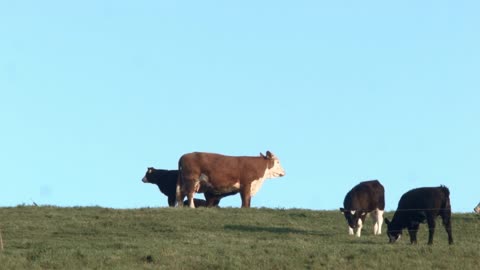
x,y
203,177
192,204
359,228
256,185
350,230
275,171
353,212
378,219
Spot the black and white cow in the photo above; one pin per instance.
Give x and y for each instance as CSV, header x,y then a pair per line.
x,y
418,205
166,180
477,209
366,197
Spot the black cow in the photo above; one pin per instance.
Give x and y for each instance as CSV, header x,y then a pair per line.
x,y
366,197
418,205
166,180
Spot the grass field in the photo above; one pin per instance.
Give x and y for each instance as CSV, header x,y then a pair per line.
x,y
227,238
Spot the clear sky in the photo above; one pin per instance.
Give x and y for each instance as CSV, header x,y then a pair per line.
x,y
94,92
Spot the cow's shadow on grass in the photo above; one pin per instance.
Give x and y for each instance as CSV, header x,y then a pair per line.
x,y
277,230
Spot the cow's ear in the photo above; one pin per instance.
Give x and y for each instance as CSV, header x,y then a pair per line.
x,y
342,209
387,221
262,155
269,154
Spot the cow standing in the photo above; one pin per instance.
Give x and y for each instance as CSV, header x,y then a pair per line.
x,y
366,197
166,180
218,174
418,205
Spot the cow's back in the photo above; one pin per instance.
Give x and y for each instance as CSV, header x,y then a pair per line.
x,y
220,170
425,199
367,195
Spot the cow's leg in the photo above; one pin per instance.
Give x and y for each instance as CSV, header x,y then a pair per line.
x,y
186,185
375,220
179,195
446,219
360,225
210,198
431,228
350,230
412,231
216,202
246,197
191,203
171,200
378,219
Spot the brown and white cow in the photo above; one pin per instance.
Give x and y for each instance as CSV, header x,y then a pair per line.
x,y
218,174
477,209
366,197
417,206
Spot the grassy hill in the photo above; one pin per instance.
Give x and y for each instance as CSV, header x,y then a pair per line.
x,y
228,238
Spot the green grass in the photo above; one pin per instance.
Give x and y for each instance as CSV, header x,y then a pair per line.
x,y
227,238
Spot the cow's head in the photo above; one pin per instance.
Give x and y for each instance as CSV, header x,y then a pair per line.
x,y
353,216
393,232
148,174
477,209
274,168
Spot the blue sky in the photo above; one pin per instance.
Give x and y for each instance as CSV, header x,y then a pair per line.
x,y
94,92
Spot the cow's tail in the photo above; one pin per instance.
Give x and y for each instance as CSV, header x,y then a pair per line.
x,y
178,191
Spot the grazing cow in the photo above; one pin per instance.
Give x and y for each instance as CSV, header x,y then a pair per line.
x,y
218,174
477,209
166,180
366,197
418,205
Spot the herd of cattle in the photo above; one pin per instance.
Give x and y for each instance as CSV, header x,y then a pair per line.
x,y
218,176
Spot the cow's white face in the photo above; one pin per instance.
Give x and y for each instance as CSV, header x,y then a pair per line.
x,y
277,169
